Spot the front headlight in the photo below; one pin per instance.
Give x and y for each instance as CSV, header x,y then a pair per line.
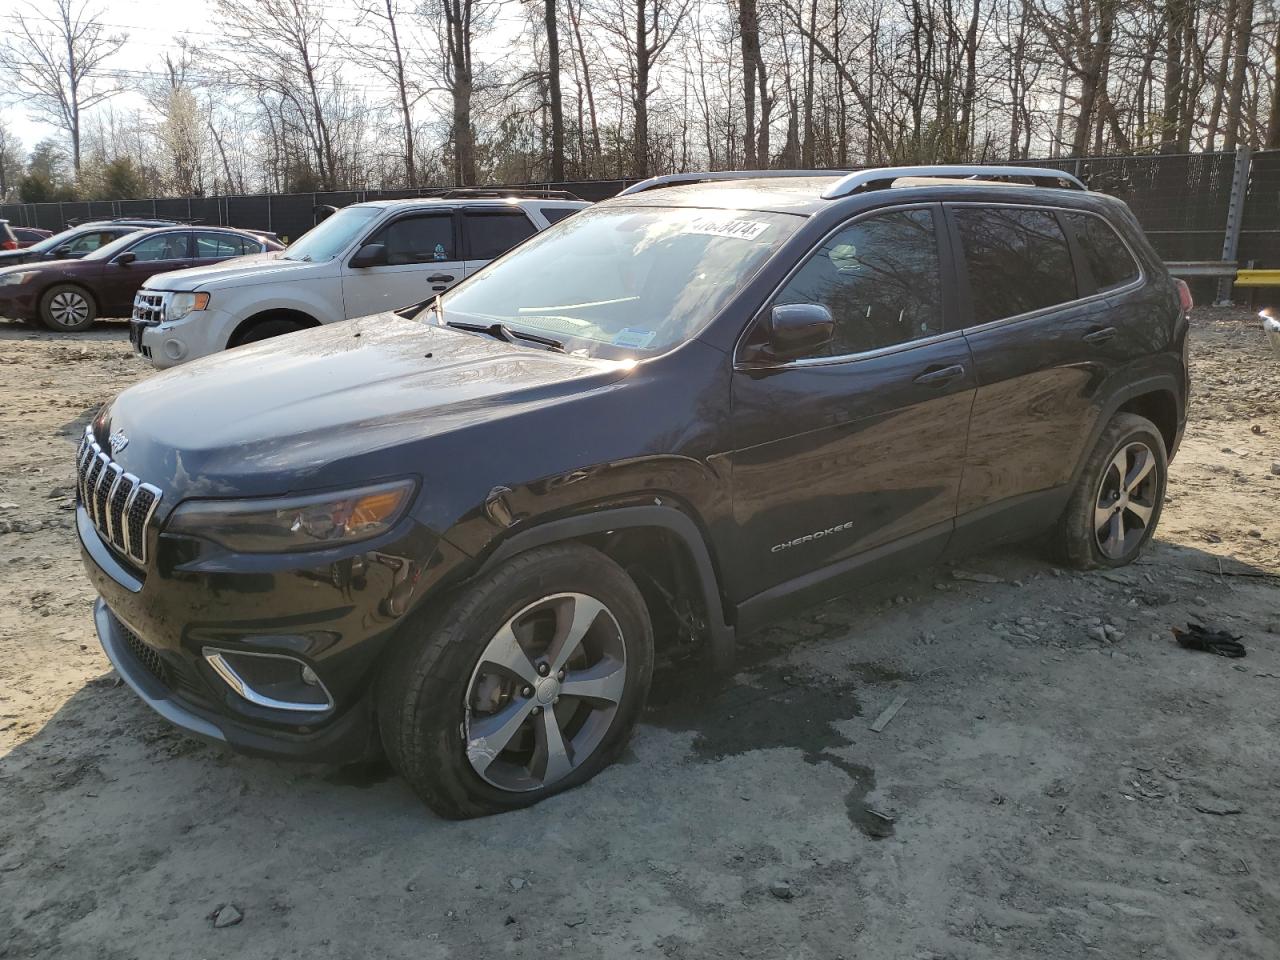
x,y
180,304
282,524
13,279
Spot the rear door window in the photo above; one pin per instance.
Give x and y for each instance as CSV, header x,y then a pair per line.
x,y
1105,254
489,235
422,238
218,246
1017,259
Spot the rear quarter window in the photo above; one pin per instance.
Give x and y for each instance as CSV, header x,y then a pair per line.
x,y
556,214
1105,254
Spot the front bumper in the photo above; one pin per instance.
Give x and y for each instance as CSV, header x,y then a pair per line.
x,y
347,740
172,342
334,613
18,301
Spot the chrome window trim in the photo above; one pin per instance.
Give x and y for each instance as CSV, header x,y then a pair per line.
x,y
216,659
739,364
1053,308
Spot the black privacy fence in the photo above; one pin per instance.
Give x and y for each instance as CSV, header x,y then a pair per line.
x,y
1182,201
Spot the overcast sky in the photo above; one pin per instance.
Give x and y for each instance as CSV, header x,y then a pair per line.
x,y
152,26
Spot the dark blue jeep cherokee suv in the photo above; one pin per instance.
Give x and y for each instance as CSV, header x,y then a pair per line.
x,y
454,532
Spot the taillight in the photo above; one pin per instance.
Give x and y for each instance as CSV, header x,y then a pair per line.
x,y
8,244
1184,295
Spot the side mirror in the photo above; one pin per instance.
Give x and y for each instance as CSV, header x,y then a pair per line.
x,y
124,259
63,251
797,329
370,255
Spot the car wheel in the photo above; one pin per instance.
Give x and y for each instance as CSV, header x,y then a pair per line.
x,y
265,330
1116,505
68,309
528,684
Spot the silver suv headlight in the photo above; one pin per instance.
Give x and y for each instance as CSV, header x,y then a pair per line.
x,y
181,304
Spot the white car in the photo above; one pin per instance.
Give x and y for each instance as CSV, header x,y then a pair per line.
x,y
364,259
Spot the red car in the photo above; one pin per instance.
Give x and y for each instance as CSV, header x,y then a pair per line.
x,y
68,295
28,235
8,239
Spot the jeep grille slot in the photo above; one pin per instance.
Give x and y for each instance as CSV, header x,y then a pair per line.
x,y
119,504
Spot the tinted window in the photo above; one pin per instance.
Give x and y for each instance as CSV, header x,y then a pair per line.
x,y
1105,254
879,278
1018,261
556,214
92,241
212,246
420,239
162,246
491,234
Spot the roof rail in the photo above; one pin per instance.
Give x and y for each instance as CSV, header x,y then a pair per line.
x,y
679,179
535,193
881,177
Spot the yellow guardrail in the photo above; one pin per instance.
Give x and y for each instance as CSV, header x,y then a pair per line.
x,y
1258,278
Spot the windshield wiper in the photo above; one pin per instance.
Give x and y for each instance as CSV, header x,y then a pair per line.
x,y
500,331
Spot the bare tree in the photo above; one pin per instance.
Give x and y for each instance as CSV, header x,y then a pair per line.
x,y
288,46
53,56
387,57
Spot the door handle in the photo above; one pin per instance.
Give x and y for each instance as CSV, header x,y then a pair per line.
x,y
440,278
1101,335
937,377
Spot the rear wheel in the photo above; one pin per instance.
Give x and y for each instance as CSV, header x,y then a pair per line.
x,y
1117,501
528,685
67,308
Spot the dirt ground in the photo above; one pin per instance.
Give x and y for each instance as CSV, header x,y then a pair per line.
x,y
1062,782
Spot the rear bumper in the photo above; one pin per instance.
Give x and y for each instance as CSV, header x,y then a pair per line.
x,y
347,739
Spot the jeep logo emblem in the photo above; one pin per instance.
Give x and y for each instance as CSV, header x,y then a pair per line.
x,y
117,441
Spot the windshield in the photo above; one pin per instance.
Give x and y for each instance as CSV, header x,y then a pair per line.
x,y
57,240
622,280
109,250
330,237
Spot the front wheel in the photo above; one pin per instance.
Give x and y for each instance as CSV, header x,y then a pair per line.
x,y
1116,505
527,685
67,308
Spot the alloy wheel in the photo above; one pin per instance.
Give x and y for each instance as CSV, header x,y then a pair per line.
x,y
1126,500
544,693
68,308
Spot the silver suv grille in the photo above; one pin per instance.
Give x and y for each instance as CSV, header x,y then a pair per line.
x,y
119,504
148,307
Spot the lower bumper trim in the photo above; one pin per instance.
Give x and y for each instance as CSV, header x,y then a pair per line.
x,y
348,739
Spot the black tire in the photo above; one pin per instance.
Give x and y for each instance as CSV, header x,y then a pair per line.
x,y
67,308
1076,540
266,329
426,686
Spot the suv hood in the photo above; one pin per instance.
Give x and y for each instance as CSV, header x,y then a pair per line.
x,y
287,413
240,272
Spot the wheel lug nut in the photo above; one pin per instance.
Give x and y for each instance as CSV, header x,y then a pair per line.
x,y
555,700
544,669
537,711
527,692
560,675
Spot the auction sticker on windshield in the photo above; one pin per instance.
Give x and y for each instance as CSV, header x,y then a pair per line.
x,y
735,229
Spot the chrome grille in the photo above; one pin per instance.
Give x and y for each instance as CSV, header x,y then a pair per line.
x,y
119,504
148,307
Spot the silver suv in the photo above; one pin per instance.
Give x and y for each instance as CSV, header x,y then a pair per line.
x,y
364,259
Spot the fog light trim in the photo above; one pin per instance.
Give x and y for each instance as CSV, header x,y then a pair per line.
x,y
217,659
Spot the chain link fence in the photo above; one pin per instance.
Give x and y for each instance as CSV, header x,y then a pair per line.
x,y
1183,201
